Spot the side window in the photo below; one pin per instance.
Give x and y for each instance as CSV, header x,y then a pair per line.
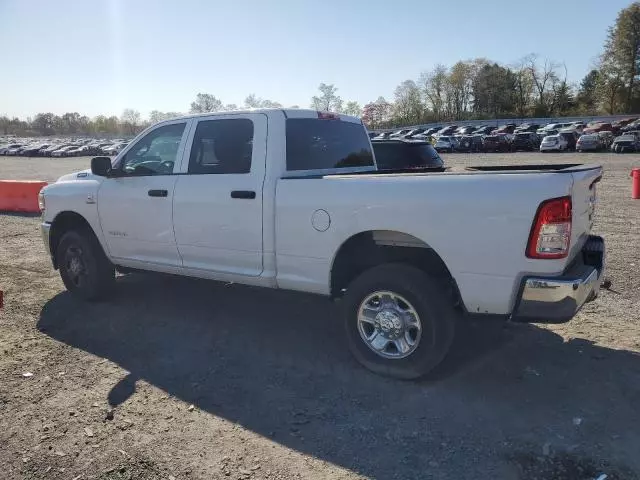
x,y
317,144
155,153
222,146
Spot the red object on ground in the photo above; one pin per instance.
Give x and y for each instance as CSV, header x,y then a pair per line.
x,y
1,299
20,195
635,184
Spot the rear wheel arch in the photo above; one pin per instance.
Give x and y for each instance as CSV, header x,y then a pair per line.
x,y
372,248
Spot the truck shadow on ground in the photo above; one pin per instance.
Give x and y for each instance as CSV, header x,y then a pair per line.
x,y
277,363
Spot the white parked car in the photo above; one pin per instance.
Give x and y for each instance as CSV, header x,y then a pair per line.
x,y
292,199
446,144
554,143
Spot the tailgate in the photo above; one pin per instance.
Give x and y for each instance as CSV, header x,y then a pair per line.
x,y
583,205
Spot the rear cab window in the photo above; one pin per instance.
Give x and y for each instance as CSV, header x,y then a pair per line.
x,y
405,155
327,144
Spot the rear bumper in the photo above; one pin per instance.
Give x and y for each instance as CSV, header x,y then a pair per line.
x,y
551,146
558,299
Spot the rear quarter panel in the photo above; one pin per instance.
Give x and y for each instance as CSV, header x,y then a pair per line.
x,y
479,224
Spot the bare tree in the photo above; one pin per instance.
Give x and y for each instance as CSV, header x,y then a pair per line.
x,y
544,77
523,88
130,120
256,102
375,114
205,102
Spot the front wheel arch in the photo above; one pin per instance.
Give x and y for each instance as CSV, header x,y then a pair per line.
x,y
62,223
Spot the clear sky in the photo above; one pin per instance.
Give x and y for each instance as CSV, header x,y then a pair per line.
x,y
101,56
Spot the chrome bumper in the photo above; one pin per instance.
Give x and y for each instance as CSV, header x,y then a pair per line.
x,y
558,299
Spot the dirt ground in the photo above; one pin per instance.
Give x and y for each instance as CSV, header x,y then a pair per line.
x,y
185,379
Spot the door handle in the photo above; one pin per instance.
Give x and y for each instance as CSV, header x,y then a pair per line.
x,y
157,193
250,194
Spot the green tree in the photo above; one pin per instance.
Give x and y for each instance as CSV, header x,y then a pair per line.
x,y
4,124
621,57
328,100
460,82
255,102
353,108
434,86
494,92
610,87
586,98
205,102
563,99
408,108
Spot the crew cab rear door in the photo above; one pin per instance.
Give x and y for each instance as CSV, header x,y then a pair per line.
x,y
217,206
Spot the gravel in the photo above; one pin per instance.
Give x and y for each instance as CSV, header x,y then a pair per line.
x,y
275,394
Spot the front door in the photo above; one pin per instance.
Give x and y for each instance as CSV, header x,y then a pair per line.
x,y
135,205
217,207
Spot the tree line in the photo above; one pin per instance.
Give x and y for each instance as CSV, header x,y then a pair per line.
x,y
471,89
531,87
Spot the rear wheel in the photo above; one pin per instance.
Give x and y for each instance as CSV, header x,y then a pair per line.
x,y
84,268
398,320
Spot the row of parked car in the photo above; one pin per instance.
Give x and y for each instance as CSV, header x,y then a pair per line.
x,y
620,136
60,148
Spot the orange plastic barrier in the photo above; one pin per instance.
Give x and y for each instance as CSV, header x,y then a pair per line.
x,y
20,195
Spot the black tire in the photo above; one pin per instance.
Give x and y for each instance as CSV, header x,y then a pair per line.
x,y
429,300
94,279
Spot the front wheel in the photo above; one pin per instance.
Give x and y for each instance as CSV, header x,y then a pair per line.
x,y
399,321
84,268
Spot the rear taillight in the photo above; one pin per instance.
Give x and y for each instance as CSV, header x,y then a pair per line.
x,y
551,230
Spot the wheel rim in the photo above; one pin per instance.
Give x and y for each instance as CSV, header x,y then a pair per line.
x,y
75,265
389,325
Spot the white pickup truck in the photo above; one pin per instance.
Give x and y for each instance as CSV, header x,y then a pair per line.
x,y
292,199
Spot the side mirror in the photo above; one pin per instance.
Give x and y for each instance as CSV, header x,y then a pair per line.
x,y
101,166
